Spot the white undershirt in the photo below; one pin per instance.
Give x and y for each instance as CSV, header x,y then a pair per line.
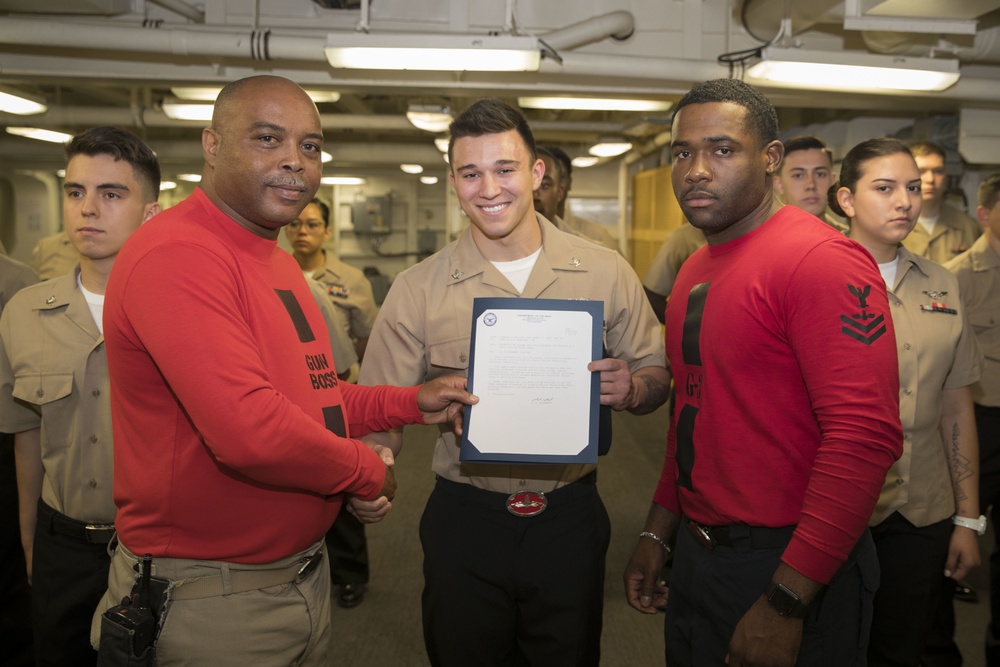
x,y
928,223
96,304
888,271
517,271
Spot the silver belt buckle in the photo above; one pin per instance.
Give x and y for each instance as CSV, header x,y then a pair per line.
x,y
527,503
701,534
311,562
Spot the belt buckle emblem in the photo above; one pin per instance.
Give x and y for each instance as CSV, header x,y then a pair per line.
x,y
527,503
701,535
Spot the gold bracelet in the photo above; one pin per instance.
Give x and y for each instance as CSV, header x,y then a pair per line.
x,y
659,540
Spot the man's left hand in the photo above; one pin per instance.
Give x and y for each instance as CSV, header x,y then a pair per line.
x,y
616,382
443,399
764,638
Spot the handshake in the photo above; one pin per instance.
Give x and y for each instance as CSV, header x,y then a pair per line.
x,y
441,400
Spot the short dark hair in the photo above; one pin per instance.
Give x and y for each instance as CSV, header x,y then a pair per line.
x,y
121,145
323,209
560,174
760,118
989,191
806,143
854,164
922,148
564,160
491,115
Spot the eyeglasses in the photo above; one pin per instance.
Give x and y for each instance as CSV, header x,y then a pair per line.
x,y
312,227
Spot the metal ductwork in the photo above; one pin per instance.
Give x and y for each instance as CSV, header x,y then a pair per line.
x,y
617,25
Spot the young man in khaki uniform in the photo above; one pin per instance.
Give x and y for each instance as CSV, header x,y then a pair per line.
x,y
978,273
500,586
804,176
550,197
54,393
942,232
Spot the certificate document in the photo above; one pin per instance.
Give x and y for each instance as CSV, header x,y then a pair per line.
x,y
538,403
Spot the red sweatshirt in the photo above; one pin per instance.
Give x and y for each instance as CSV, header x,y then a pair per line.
x,y
787,408
231,429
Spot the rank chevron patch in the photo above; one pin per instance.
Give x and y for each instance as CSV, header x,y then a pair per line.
x,y
866,333
858,326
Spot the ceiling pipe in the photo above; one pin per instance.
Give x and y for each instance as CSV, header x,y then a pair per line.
x,y
985,45
182,8
617,25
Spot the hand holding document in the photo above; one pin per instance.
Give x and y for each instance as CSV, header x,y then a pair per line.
x,y
538,403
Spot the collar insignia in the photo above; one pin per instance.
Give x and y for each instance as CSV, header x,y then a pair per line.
x,y
574,262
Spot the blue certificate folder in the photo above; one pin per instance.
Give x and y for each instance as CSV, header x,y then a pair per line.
x,y
518,429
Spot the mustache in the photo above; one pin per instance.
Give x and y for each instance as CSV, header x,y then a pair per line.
x,y
286,180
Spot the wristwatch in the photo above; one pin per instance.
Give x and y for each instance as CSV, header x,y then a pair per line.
x,y
978,525
785,602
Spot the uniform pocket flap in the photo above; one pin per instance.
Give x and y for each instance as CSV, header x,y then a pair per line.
x,y
450,354
42,388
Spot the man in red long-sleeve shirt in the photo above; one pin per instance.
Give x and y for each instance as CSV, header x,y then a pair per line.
x,y
783,352
234,440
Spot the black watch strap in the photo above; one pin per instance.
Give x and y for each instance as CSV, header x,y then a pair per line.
x,y
785,602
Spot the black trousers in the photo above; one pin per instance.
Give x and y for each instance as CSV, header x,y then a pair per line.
x,y
941,650
711,590
15,610
502,590
912,560
347,549
69,577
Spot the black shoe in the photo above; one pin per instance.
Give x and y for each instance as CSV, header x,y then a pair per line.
x,y
350,595
965,593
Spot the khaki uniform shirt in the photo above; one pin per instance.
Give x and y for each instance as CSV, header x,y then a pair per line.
x,y
936,351
680,244
978,273
835,222
424,327
954,233
344,354
586,228
54,375
349,290
14,276
54,256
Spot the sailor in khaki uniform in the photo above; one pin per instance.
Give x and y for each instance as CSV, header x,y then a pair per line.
x,y
498,585
54,393
347,288
978,273
942,232
550,196
15,636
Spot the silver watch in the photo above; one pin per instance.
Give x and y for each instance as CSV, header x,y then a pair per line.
x,y
978,525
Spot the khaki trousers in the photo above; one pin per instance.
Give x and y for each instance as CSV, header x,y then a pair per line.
x,y
280,625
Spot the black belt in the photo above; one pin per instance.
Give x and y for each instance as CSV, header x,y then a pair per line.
x,y
524,503
760,537
93,533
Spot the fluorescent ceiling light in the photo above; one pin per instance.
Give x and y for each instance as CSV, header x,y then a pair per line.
x,y
209,93
326,157
584,161
21,104
412,168
429,180
167,185
40,134
609,148
592,104
189,178
401,51
828,70
342,180
442,144
429,117
187,110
